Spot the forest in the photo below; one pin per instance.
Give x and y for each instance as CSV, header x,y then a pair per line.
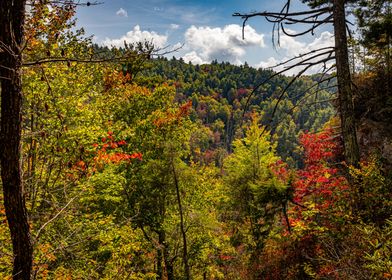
x,y
129,163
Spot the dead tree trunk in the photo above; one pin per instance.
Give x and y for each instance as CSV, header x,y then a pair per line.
x,y
11,38
351,148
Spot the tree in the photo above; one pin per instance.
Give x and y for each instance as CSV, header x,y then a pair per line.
x,y
257,192
11,45
345,95
375,24
374,20
321,12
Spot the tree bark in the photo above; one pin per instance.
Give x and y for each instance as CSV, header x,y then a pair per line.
x,y
351,148
166,257
182,227
159,263
11,39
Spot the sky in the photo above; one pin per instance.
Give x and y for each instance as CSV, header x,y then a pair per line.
x,y
206,30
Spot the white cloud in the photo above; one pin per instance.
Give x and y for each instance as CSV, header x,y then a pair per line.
x,y
271,62
122,13
194,58
138,35
292,48
224,44
174,26
326,39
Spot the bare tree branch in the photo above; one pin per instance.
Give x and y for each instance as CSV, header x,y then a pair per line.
x,y
327,51
119,58
37,235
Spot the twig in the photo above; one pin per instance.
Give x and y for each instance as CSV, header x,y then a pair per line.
x,y
52,219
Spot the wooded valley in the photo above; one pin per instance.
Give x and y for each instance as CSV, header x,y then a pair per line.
x,y
129,163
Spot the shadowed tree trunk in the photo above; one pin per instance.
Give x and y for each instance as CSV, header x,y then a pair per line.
x,y
11,39
345,96
159,263
182,227
166,257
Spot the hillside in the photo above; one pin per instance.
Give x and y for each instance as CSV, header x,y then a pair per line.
x,y
118,163
222,100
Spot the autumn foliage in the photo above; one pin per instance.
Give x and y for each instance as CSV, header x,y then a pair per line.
x,y
107,151
318,203
133,170
320,183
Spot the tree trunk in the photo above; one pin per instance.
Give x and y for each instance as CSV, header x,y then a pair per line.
x,y
159,263
351,148
182,227
11,38
166,257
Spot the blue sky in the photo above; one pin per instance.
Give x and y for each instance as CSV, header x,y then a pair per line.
x,y
206,28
